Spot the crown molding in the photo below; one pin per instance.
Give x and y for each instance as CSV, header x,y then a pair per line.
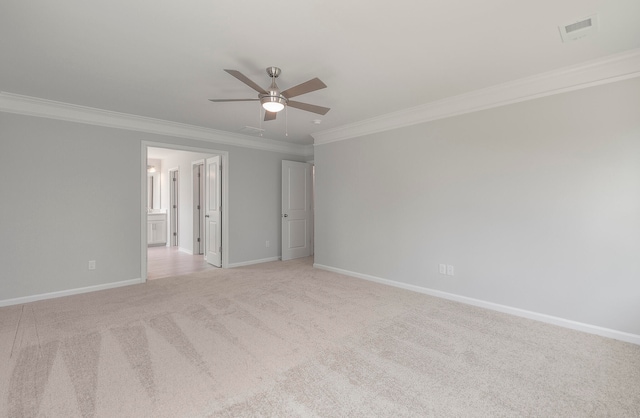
x,y
33,106
609,69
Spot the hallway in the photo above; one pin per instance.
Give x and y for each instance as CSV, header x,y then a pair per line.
x,y
169,261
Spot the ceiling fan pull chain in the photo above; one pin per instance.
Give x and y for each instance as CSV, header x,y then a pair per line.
x,y
286,121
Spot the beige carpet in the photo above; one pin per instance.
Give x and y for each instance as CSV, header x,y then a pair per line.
x,y
284,340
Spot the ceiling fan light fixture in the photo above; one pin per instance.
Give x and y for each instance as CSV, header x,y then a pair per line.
x,y
273,100
273,103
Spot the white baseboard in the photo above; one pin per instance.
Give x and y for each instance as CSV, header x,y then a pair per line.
x,y
69,292
566,323
248,263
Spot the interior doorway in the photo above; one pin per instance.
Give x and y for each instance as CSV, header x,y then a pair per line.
x,y
297,210
189,201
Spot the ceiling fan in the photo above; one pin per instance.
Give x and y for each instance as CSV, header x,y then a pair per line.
x,y
273,100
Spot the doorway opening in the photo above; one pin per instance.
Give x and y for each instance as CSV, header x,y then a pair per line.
x,y
182,197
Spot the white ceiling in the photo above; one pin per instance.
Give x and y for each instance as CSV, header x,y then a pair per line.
x,y
164,59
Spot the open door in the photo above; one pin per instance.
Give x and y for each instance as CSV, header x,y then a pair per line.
x,y
213,208
198,208
296,209
174,204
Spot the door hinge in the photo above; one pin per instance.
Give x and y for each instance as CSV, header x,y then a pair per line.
x,y
198,240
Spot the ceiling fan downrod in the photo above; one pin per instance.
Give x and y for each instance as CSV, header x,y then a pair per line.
x,y
273,101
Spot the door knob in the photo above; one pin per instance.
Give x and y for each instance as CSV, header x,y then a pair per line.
x,y
206,216
285,215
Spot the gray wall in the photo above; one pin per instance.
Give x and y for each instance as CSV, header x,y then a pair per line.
x,y
537,205
60,206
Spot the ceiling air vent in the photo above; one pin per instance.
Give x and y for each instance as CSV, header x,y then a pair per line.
x,y
250,130
579,29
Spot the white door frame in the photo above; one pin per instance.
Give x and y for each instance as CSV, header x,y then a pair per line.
x,y
212,209
143,198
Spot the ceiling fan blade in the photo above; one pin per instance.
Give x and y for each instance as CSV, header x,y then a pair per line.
x,y
233,100
237,74
306,87
270,115
309,107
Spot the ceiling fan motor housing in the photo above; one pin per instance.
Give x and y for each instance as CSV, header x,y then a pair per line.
x,y
273,101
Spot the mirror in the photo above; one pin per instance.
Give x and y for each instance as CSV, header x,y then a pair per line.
x,y
150,191
153,184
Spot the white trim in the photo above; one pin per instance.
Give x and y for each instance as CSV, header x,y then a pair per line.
x,y
554,320
69,292
33,106
609,69
144,239
605,70
185,250
251,262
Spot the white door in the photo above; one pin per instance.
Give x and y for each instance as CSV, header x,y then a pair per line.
x,y
198,209
296,209
213,208
174,202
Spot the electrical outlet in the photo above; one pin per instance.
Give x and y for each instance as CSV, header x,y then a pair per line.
x,y
442,268
267,244
449,270
92,264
